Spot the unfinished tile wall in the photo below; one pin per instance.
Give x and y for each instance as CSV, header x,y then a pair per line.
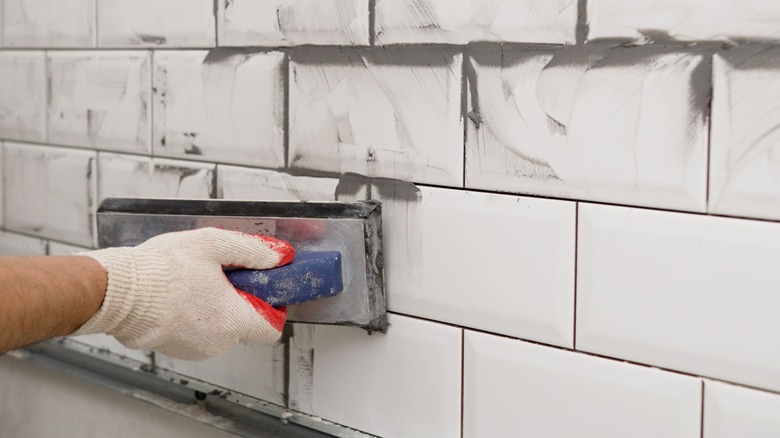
x,y
579,197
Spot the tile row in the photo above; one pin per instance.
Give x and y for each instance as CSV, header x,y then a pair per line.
x,y
275,23
630,126
686,292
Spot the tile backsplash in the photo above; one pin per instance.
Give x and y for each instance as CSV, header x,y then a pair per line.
x,y
580,197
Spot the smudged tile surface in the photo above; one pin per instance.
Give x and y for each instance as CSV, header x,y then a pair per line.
x,y
226,105
23,95
744,162
266,185
685,292
254,370
544,392
621,125
100,100
75,408
499,263
390,112
12,244
462,21
48,23
683,20
283,22
403,383
50,192
133,176
733,411
156,23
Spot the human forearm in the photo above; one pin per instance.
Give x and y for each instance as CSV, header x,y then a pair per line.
x,y
44,297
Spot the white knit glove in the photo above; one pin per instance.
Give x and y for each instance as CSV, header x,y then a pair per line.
x,y
170,294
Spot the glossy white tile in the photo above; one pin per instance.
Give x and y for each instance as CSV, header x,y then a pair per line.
x,y
100,99
23,95
403,383
498,263
462,21
663,21
266,185
621,125
283,22
254,370
521,389
48,23
388,112
12,244
686,292
734,411
156,23
134,176
744,168
50,192
225,105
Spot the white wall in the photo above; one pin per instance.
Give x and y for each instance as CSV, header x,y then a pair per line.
x,y
580,206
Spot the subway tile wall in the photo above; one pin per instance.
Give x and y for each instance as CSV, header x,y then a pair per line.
x,y
579,197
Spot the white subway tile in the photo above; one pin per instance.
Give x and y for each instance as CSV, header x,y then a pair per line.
x,y
388,112
618,125
683,20
498,263
226,105
284,23
254,370
462,21
64,249
267,185
50,192
513,388
133,176
403,383
744,168
733,411
12,244
100,100
48,23
156,23
687,292
23,95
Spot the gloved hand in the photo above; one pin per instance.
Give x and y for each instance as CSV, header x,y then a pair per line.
x,y
170,294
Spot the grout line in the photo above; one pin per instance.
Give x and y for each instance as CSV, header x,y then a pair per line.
x,y
462,379
709,134
286,65
586,353
215,12
95,23
152,98
372,23
576,263
701,411
464,109
582,26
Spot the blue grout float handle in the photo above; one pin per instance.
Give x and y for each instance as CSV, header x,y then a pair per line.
x,y
311,275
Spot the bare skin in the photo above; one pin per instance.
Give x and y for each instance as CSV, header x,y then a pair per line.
x,y
45,297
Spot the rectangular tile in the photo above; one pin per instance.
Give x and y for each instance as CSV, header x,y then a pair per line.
x,y
134,176
403,383
542,392
274,23
100,100
733,411
388,112
225,105
243,183
254,370
48,23
683,20
744,169
618,125
50,192
156,23
686,292
459,22
498,263
12,244
23,95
